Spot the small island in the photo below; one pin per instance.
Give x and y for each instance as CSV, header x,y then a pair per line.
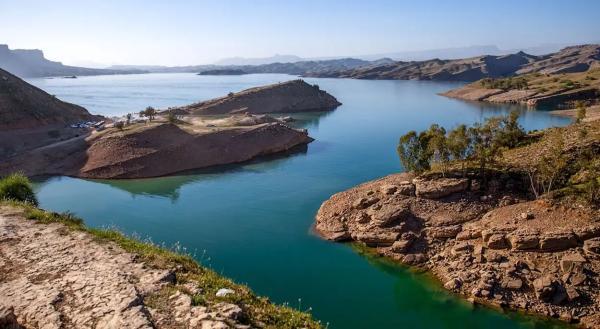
x,y
223,72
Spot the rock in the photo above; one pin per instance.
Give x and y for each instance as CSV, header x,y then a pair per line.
x,y
401,246
213,324
569,262
439,188
475,185
224,292
468,235
487,233
363,203
589,232
592,246
228,310
8,320
377,239
413,259
578,279
512,284
388,214
406,188
524,240
544,287
461,248
557,241
444,232
453,284
388,189
527,215
572,293
497,241
362,218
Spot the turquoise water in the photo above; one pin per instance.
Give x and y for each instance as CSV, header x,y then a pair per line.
x,y
252,222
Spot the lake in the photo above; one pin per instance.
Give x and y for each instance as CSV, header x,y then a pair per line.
x,y
252,222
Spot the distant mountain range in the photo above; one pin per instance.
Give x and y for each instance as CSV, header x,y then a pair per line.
x,y
32,63
452,64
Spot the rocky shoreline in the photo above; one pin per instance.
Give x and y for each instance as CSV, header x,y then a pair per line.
x,y
491,246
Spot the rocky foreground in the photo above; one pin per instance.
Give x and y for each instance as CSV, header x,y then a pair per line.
x,y
488,245
54,276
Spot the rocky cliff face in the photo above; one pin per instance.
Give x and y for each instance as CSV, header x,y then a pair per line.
x,y
286,97
24,106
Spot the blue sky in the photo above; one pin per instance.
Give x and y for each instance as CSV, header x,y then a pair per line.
x,y
178,32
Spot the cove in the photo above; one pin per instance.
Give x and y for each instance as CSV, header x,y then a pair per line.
x,y
252,221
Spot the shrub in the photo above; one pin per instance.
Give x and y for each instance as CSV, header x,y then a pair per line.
x,y
171,117
17,187
119,125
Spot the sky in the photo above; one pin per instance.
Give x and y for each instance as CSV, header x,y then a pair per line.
x,y
179,32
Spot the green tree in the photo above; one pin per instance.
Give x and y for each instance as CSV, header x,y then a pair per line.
x,y
128,118
459,143
545,173
511,133
414,152
17,187
437,146
150,112
485,146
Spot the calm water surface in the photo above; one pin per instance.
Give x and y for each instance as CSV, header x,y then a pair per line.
x,y
252,222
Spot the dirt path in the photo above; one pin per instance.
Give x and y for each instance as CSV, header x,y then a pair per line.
x,y
53,277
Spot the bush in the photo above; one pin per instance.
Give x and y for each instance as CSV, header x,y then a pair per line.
x,y
119,125
18,188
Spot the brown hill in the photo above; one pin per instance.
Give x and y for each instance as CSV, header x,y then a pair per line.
x,y
570,59
24,106
285,97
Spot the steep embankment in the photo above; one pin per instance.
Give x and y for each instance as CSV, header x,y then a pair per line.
x,y
488,242
23,106
286,97
571,59
58,274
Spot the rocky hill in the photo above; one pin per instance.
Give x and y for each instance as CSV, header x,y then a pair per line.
x,y
285,97
24,106
570,59
32,63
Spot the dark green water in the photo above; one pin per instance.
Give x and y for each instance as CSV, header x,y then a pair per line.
x,y
252,222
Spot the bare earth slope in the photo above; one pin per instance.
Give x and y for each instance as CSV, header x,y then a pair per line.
x,y
285,97
25,106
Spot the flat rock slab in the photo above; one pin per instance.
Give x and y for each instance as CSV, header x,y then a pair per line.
x,y
439,188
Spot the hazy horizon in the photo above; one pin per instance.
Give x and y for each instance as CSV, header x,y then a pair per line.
x,y
100,33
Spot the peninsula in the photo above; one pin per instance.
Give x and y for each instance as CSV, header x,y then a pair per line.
x,y
170,143
523,233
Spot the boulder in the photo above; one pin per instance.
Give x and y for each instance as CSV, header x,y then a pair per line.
x,y
592,246
401,246
444,232
363,203
557,241
413,259
572,293
439,188
589,232
224,292
544,287
388,214
462,248
8,319
527,215
377,239
512,284
406,188
388,189
497,241
524,240
486,234
453,284
468,235
570,262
